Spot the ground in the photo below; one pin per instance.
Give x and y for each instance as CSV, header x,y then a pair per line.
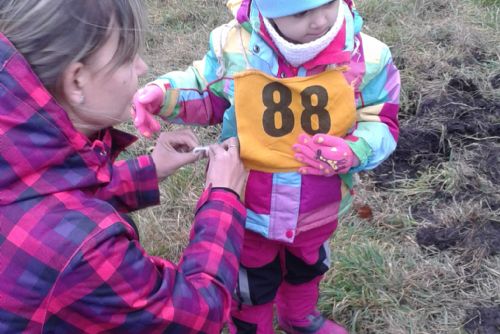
x,y
456,128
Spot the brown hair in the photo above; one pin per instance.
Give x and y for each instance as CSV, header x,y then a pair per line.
x,y
51,34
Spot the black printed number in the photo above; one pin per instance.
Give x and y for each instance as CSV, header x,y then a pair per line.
x,y
319,110
282,108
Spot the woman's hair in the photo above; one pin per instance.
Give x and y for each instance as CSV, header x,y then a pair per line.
x,y
51,34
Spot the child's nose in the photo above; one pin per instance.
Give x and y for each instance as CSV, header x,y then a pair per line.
x,y
319,20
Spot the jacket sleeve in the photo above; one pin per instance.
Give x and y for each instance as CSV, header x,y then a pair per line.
x,y
376,133
113,286
133,185
196,95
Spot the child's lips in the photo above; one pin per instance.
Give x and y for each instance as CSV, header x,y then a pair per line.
x,y
317,34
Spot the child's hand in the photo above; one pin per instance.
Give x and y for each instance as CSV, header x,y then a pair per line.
x,y
324,155
173,150
146,103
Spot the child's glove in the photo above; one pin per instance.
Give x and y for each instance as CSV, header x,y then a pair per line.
x,y
324,155
146,103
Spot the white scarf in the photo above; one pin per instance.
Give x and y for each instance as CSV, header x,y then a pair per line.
x,y
298,54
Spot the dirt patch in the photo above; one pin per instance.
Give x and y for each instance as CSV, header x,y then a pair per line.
x,y
459,121
439,237
484,238
417,149
483,320
455,126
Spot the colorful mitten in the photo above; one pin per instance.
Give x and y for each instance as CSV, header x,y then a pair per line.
x,y
146,103
324,155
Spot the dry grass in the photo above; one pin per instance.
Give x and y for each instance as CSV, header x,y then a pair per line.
x,y
382,280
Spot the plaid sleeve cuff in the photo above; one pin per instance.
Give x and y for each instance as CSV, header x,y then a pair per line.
x,y
224,194
146,181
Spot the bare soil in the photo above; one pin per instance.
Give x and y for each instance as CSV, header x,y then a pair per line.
x,y
457,121
483,320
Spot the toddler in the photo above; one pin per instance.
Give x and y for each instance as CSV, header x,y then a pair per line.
x,y
313,100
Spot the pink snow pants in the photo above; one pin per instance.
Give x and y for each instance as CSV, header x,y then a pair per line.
x,y
277,274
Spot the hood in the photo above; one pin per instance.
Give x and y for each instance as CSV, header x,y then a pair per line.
x,y
247,14
41,152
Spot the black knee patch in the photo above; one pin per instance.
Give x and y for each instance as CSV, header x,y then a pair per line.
x,y
257,286
299,272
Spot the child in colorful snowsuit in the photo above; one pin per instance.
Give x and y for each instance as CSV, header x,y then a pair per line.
x,y
313,101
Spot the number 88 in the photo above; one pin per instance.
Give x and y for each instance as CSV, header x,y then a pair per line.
x,y
287,117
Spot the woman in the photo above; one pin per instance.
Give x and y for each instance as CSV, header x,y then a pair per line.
x,y
70,260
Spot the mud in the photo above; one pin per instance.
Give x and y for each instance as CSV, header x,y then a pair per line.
x,y
458,126
483,320
459,120
483,237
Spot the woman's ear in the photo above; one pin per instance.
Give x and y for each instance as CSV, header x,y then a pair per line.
x,y
73,80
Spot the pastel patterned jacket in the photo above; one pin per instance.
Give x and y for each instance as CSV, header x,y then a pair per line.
x,y
282,203
70,258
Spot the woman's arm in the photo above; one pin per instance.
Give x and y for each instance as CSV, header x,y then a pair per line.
x,y
112,285
133,185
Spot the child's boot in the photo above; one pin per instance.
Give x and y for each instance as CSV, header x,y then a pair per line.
x,y
297,313
314,323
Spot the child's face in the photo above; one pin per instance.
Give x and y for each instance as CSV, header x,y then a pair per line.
x,y
310,25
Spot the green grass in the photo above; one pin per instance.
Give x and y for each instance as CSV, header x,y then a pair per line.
x,y
381,280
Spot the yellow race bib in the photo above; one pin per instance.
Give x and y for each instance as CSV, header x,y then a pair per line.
x,y
272,112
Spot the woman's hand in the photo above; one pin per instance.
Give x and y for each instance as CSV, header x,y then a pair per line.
x,y
225,168
173,150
